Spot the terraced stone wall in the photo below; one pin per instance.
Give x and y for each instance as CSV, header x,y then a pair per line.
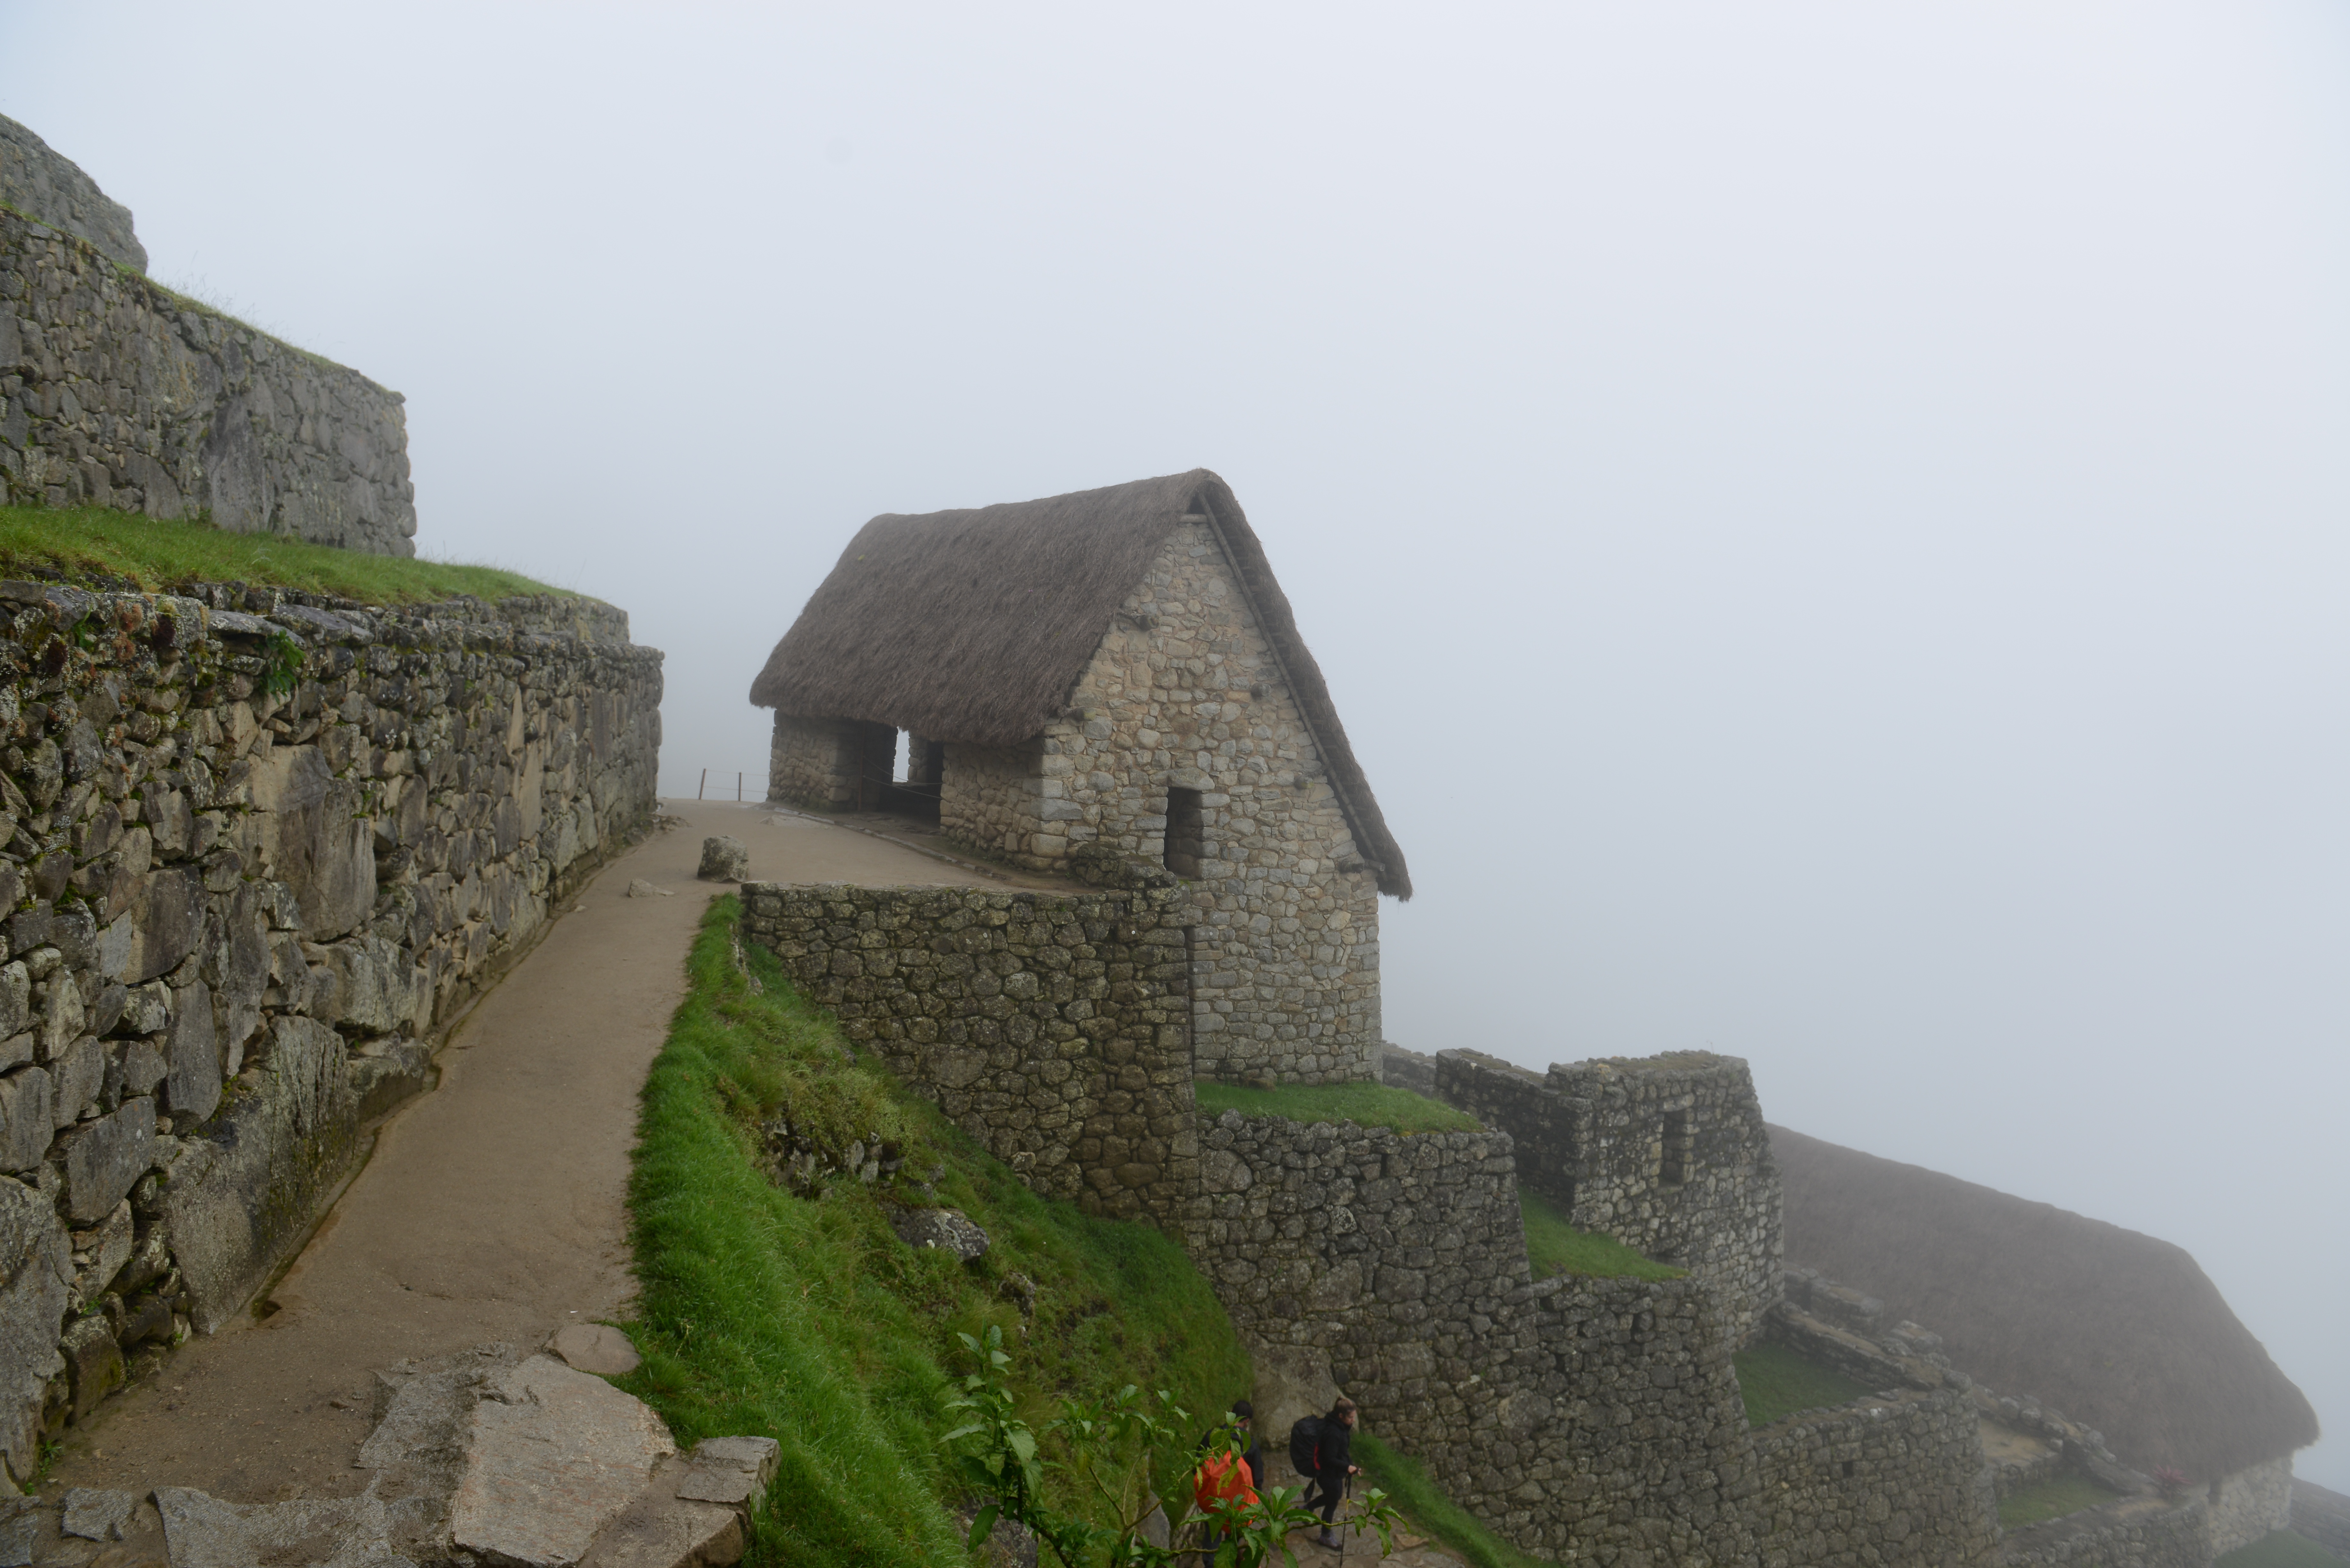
x,y
1667,1153
1053,1029
256,851
115,392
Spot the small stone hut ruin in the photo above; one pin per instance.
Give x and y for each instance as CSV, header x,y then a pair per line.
x,y
1111,673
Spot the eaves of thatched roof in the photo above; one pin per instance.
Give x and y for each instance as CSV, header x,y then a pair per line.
x,y
2116,1329
974,624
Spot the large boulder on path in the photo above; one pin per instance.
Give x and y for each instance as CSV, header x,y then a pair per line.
x,y
725,859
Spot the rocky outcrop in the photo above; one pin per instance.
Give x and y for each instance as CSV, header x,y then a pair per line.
x,y
255,852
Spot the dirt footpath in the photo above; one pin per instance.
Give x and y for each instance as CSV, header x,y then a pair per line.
x,y
492,1207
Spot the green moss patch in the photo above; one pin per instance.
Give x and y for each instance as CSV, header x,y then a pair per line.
x,y
2051,1499
806,1319
92,544
1555,1247
1365,1105
1775,1382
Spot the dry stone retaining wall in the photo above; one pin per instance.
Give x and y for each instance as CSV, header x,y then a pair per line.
x,y
44,184
115,392
1667,1153
255,849
2135,1533
1053,1029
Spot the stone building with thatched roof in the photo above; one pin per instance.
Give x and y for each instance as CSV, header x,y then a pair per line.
x,y
2124,1333
1113,672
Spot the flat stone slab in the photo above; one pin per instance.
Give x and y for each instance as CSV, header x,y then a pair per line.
x,y
554,1455
596,1347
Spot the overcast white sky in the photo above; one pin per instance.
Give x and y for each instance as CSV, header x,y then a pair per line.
x,y
1825,522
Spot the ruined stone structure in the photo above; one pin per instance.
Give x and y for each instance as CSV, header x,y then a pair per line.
x,y
256,849
1116,670
115,392
1667,1153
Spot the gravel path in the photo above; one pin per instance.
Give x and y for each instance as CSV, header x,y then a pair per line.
x,y
492,1207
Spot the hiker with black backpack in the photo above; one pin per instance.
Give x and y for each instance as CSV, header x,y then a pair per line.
x,y
1321,1448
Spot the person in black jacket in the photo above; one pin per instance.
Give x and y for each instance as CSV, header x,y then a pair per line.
x,y
1334,1463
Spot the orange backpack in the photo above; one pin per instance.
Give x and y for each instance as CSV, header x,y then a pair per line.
x,y
1224,1478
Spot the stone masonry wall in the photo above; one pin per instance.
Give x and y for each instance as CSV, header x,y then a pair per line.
x,y
828,764
1667,1153
1053,1029
256,851
1582,1418
2136,1533
2250,1503
1185,692
115,392
988,799
51,188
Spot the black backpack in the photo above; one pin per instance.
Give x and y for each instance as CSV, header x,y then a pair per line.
x,y
1305,1446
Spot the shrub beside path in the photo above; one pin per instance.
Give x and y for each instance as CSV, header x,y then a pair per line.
x,y
492,1207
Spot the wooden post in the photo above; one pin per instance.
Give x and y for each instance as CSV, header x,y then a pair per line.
x,y
703,786
738,789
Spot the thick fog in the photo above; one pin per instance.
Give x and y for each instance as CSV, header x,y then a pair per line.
x,y
1825,523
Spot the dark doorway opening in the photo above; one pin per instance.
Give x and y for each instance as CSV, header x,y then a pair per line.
x,y
1186,837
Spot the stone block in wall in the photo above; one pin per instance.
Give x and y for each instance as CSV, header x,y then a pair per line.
x,y
35,1273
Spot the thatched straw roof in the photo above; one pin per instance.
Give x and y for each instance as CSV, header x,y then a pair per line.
x,y
974,624
2114,1329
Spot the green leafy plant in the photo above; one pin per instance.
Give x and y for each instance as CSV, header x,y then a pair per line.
x,y
1110,1444
282,659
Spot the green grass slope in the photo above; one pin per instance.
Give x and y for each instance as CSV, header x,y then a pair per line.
x,y
1775,1383
806,1319
1553,1246
92,544
1365,1105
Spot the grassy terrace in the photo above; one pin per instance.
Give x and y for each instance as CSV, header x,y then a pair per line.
x,y
93,546
1774,1382
1433,1513
807,1320
2051,1499
1365,1105
2279,1549
1555,1247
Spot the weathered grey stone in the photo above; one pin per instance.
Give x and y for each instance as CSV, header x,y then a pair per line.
x,y
384,1072
16,999
103,1157
20,1532
27,1118
554,1458
147,1009
732,1470
641,889
46,185
192,1088
76,1076
315,838
203,1531
166,918
377,989
949,1230
248,1190
596,1347
723,859
660,1529
36,1273
61,1021
93,1362
95,1515
144,1066
107,1245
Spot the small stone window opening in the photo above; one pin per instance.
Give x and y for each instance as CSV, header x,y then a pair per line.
x,y
1848,1469
1186,837
1673,1150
